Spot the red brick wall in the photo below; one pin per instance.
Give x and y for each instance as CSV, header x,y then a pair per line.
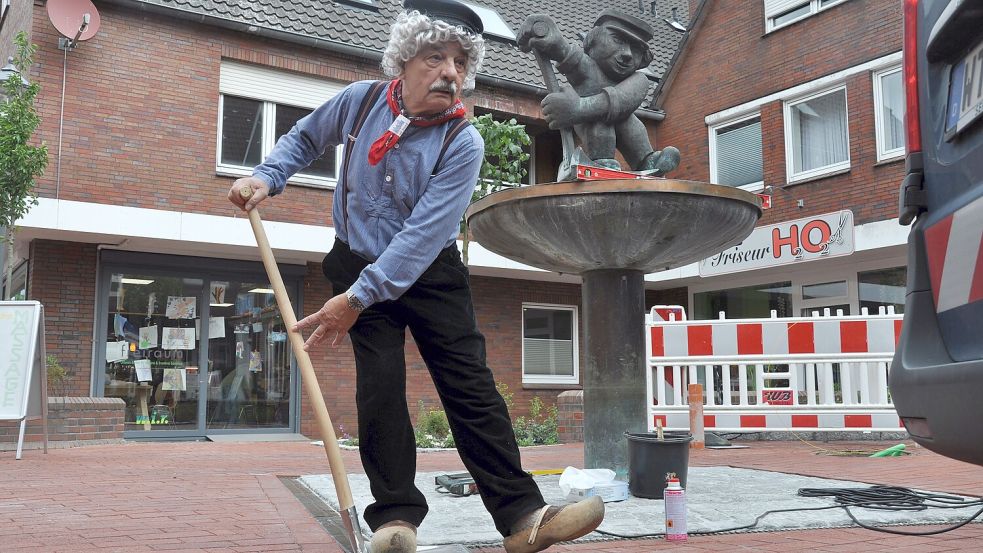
x,y
62,276
498,306
141,112
731,60
18,19
70,420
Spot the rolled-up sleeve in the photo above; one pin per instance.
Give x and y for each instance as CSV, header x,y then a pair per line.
x,y
306,141
435,219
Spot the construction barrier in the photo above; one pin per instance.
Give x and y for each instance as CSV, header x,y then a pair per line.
x,y
820,373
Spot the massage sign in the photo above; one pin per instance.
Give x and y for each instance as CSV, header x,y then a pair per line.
x,y
808,239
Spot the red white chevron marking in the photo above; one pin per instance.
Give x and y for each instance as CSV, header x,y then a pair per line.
x,y
954,247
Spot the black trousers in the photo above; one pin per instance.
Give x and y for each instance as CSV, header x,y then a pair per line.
x,y
438,311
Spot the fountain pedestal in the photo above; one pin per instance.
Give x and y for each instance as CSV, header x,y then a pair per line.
x,y
612,233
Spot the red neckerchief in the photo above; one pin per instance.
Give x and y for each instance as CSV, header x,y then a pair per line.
x,y
394,97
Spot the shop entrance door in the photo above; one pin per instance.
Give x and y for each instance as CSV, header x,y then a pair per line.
x,y
192,356
249,375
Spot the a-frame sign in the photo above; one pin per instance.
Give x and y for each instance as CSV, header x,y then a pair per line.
x,y
23,374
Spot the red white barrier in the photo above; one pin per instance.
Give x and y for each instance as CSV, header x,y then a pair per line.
x,y
801,373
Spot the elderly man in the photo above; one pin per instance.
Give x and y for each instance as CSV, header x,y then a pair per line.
x,y
411,162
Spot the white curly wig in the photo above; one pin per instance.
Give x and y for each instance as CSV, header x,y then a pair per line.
x,y
413,30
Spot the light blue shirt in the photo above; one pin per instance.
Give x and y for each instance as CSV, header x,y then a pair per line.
x,y
399,216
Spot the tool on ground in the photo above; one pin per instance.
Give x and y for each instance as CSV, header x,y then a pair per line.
x,y
572,155
349,515
461,484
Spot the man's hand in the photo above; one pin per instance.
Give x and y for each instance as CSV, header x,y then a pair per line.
x,y
260,191
562,109
333,321
540,33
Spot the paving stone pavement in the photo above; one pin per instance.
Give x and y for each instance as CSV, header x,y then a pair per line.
x,y
229,497
717,498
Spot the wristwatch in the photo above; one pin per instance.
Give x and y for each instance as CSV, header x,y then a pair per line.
x,y
353,302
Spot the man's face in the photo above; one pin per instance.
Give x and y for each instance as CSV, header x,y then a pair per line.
x,y
432,80
616,55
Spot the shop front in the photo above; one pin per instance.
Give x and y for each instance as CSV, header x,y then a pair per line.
x,y
194,346
804,266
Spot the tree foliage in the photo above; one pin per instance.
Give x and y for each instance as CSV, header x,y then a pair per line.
x,y
20,161
504,166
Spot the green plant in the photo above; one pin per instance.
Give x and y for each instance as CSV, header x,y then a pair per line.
x,y
505,160
20,161
432,428
539,427
57,375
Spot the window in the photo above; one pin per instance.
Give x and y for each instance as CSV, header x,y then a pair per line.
x,y
549,344
779,13
492,21
744,303
259,105
735,154
18,290
882,288
817,140
889,114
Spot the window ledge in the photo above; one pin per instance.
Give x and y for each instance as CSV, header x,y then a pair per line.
x,y
821,176
550,386
296,180
890,160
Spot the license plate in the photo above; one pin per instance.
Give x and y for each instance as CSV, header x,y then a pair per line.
x,y
965,92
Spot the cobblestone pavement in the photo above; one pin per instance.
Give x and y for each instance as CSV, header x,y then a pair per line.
x,y
228,497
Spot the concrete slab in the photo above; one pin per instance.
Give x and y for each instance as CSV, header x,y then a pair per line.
x,y
718,498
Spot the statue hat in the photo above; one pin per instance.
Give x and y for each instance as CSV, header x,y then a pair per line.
x,y
450,12
630,26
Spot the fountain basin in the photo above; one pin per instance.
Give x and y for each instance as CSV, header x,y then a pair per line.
x,y
647,225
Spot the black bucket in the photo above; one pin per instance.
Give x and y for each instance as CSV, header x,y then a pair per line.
x,y
651,459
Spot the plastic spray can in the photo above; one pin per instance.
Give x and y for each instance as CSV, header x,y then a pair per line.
x,y
675,503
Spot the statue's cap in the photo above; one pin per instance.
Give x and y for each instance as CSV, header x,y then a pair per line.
x,y
631,26
450,12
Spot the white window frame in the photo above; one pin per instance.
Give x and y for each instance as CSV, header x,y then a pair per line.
x,y
843,166
575,334
272,87
753,186
884,154
776,8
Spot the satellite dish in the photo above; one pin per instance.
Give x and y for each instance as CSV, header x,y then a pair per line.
x,y
74,18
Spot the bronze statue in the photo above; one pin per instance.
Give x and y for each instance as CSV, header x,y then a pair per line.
x,y
605,89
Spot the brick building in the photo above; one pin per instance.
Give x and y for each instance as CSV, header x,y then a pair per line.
x,y
800,100
151,281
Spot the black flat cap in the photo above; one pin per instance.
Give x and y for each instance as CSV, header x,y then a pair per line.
x,y
630,26
448,11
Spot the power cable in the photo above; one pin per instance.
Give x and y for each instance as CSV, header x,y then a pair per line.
x,y
882,498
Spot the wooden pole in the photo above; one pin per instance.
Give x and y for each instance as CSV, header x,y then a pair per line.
x,y
309,378
696,416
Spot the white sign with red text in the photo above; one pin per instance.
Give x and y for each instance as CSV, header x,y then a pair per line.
x,y
807,239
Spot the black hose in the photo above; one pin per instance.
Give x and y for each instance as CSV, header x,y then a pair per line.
x,y
882,498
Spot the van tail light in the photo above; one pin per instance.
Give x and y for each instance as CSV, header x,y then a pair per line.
x,y
913,131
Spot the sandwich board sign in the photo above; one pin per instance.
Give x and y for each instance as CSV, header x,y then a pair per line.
x,y
23,375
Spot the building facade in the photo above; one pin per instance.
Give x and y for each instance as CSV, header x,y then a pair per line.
x,y
150,279
802,101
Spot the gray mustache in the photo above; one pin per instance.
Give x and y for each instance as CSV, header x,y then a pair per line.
x,y
444,86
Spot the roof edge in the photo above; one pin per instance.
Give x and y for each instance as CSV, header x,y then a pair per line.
x,y
696,22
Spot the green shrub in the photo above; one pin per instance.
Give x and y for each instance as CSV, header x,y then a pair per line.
x,y
432,428
57,375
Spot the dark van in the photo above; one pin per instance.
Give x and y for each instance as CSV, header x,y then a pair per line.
x,y
936,378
